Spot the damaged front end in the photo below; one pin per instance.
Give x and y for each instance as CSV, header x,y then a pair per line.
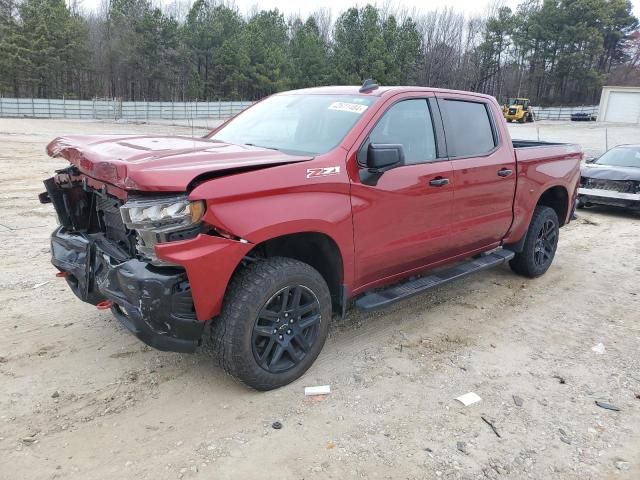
x,y
104,247
615,193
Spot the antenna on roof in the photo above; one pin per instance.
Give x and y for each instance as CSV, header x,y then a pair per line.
x,y
368,85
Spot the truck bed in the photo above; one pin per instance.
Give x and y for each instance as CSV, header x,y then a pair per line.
x,y
532,150
533,143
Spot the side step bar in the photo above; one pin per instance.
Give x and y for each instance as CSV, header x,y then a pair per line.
x,y
406,289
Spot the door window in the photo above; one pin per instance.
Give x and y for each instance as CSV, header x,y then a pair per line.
x,y
468,128
409,124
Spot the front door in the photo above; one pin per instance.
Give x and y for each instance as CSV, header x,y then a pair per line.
x,y
402,217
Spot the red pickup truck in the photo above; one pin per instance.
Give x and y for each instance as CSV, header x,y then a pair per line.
x,y
270,224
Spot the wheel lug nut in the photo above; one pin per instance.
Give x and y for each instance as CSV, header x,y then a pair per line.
x,y
288,332
286,314
275,330
291,320
278,320
280,337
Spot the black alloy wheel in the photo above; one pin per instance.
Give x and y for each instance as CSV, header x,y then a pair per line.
x,y
546,243
274,322
286,328
540,244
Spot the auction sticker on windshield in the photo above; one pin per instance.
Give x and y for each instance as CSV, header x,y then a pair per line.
x,y
348,107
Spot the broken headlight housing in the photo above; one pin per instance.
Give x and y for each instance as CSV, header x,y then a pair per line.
x,y
160,219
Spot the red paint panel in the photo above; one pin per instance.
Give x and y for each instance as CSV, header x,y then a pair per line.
x,y
156,163
401,223
483,200
540,169
209,261
264,204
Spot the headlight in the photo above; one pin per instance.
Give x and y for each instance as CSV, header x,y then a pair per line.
x,y
162,213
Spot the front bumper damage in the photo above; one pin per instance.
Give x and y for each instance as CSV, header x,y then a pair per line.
x,y
609,197
155,304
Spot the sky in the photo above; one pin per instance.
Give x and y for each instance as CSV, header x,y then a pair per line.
x,y
305,7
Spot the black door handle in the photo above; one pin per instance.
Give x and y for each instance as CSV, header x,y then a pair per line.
x,y
439,182
505,172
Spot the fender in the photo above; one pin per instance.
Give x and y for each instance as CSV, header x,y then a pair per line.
x,y
264,204
535,175
523,207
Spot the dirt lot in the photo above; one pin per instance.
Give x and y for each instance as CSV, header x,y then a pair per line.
x,y
81,398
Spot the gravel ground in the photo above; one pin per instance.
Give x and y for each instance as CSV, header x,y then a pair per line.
x,y
81,398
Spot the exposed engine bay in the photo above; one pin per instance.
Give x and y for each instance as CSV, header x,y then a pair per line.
x,y
104,248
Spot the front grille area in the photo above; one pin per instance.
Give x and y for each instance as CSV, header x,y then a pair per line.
x,y
623,186
512,111
110,221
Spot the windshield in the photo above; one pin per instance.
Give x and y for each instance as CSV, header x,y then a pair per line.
x,y
621,157
297,124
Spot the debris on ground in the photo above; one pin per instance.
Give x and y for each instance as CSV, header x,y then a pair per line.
x,y
495,430
330,445
561,380
318,390
518,400
608,406
462,446
276,425
55,394
622,464
564,437
587,221
38,285
599,348
468,399
30,440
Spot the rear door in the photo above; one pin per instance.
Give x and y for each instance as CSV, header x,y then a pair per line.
x,y
401,217
484,171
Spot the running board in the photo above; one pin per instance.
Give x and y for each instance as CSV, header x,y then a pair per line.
x,y
399,291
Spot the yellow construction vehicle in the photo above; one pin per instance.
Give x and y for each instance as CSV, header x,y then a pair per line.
x,y
518,109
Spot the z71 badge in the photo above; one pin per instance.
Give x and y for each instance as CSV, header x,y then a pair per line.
x,y
322,172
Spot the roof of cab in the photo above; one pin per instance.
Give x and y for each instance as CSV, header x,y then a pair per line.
x,y
375,92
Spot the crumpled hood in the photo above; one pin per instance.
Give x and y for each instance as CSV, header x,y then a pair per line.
x,y
159,163
608,172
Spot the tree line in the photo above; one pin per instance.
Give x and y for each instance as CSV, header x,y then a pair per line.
x,y
553,51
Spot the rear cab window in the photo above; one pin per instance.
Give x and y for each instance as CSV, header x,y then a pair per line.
x,y
469,127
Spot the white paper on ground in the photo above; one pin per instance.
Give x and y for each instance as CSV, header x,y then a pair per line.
x,y
468,399
599,348
319,390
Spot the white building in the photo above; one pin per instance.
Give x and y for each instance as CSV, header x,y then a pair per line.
x,y
620,104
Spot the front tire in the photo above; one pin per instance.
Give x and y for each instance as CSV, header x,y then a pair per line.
x,y
540,244
273,324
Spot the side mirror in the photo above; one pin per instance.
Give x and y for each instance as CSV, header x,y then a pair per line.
x,y
384,156
591,160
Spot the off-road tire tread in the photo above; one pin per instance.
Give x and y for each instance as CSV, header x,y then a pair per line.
x,y
242,300
523,263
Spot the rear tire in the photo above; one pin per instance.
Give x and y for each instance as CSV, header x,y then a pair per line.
x,y
540,244
274,322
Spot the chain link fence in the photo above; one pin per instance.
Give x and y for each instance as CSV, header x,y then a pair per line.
x,y
586,113
115,109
